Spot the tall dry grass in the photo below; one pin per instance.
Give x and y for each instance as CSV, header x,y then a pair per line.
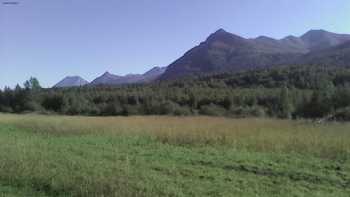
x,y
272,135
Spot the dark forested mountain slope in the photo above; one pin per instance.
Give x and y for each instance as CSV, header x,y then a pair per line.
x,y
336,56
286,91
223,51
320,39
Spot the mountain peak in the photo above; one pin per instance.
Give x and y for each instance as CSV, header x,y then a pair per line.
x,y
221,30
106,73
265,38
71,81
223,36
227,52
221,33
111,79
321,39
315,32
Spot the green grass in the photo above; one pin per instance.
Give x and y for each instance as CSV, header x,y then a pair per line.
x,y
172,156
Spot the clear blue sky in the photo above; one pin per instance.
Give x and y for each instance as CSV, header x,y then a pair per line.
x,y
50,39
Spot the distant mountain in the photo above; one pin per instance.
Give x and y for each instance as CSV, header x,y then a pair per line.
x,y
295,43
153,74
320,39
335,56
223,51
110,79
226,52
71,81
106,79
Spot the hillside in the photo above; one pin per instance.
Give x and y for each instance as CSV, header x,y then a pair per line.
x,y
336,56
223,51
320,39
295,91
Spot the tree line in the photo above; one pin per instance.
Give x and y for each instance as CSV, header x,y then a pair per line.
x,y
284,92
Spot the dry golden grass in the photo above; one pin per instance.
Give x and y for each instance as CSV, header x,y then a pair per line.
x,y
328,140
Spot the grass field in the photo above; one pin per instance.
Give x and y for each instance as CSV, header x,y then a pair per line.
x,y
172,156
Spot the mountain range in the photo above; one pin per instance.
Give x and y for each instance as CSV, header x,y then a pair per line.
x,y
226,52
111,79
223,51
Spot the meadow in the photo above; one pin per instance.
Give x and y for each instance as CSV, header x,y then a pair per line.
x,y
172,156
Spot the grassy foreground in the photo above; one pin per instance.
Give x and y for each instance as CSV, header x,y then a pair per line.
x,y
172,156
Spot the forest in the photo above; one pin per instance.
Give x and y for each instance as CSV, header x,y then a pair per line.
x,y
315,92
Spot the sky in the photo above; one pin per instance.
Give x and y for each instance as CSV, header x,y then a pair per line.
x,y
51,39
